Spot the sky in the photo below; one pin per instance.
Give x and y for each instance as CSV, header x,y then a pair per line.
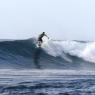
x,y
60,19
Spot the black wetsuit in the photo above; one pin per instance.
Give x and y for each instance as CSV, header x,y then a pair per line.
x,y
40,37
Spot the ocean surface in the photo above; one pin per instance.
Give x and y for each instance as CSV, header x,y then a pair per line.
x,y
58,68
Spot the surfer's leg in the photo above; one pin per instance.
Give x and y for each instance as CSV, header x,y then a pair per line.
x,y
39,42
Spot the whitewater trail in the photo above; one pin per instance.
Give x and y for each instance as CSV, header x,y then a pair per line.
x,y
83,50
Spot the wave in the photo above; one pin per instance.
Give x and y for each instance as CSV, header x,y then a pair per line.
x,y
53,54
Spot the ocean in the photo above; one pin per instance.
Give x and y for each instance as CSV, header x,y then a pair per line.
x,y
58,68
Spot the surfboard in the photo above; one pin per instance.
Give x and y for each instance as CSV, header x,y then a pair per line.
x,y
41,44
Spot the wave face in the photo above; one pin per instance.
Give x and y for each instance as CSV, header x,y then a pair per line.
x,y
21,54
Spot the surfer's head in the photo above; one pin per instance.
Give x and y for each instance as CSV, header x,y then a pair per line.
x,y
43,32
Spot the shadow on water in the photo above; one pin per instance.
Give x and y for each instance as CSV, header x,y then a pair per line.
x,y
37,58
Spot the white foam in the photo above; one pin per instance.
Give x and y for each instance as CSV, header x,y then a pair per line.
x,y
60,48
89,52
82,50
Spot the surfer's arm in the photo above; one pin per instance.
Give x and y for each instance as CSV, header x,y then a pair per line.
x,y
47,36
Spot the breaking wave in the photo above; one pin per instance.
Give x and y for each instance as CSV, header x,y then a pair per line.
x,y
52,55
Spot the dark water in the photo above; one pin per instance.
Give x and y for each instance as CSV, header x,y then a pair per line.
x,y
52,87
49,83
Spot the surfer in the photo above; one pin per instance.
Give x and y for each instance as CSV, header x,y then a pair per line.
x,y
40,40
